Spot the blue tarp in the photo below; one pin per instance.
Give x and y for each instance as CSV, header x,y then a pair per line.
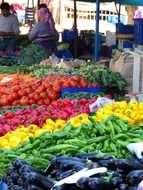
x,y
130,2
125,2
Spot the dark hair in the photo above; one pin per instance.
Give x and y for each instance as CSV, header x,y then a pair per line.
x,y
5,6
42,5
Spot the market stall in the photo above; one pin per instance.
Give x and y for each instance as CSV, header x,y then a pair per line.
x,y
67,124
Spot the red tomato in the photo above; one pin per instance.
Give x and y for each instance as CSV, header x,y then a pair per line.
x,y
21,93
11,97
56,88
28,90
31,95
3,101
16,88
52,95
47,101
36,97
43,95
15,103
40,102
39,90
31,101
66,84
24,101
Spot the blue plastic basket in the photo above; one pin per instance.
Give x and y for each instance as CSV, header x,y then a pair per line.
x,y
82,89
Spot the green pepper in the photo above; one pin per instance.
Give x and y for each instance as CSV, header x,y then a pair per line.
x,y
36,143
110,125
97,139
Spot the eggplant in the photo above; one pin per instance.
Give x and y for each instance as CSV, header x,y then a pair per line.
x,y
5,178
119,173
10,170
59,187
39,180
65,174
98,184
17,163
82,182
14,176
49,169
33,187
67,165
116,181
109,164
65,187
63,159
107,157
123,186
77,168
94,157
133,188
28,168
17,187
134,177
56,172
129,164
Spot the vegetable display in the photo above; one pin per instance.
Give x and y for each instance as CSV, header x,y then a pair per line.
x,y
81,134
132,112
93,73
36,90
122,174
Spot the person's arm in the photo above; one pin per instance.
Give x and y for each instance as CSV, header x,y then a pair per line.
x,y
15,27
33,32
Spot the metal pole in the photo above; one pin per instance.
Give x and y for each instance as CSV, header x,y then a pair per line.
x,y
96,51
75,30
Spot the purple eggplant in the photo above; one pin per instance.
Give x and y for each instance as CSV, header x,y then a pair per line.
x,y
116,181
134,177
65,174
98,184
123,186
129,164
82,182
94,157
33,187
109,163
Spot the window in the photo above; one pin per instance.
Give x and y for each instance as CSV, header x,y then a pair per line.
x,y
92,17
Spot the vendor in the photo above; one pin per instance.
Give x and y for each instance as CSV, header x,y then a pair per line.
x,y
9,28
44,32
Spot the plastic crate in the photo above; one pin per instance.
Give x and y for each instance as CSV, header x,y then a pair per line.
x,y
66,54
138,31
82,89
124,29
68,35
127,44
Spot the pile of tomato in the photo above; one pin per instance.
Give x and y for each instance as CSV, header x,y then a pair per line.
x,y
40,91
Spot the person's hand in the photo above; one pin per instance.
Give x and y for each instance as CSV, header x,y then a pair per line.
x,y
29,23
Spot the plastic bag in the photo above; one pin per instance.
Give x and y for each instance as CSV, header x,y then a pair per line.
x,y
140,186
136,148
99,103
